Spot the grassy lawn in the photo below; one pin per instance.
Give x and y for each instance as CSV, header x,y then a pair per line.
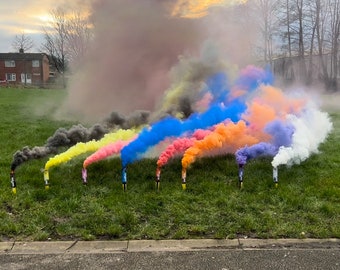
x,y
306,203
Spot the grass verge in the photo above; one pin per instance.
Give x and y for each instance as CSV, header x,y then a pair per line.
x,y
306,204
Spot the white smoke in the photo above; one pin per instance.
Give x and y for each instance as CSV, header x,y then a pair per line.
x,y
311,128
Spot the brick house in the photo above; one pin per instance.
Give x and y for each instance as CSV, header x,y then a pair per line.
x,y
24,68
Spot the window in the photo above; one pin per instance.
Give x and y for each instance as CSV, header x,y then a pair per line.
x,y
11,77
9,63
35,63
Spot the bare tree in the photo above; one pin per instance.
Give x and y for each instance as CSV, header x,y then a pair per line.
x,y
78,33
264,14
320,21
335,34
67,37
22,43
55,41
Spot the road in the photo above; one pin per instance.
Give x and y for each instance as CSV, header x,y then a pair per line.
x,y
173,254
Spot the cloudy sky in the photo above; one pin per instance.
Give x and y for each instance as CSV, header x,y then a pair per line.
x,y
28,17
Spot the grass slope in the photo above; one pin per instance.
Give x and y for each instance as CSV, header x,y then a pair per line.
x,y
306,204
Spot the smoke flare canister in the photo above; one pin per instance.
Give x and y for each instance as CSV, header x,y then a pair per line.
x,y
124,179
184,176
240,175
158,177
84,175
13,182
46,179
275,176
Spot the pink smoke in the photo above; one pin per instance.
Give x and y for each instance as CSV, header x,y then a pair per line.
x,y
180,145
135,45
106,151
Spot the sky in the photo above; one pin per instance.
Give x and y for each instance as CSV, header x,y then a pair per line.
x,y
28,17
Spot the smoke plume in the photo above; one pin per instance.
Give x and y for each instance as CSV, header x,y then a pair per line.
x,y
61,137
311,128
136,43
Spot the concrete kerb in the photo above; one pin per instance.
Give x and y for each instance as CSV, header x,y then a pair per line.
x,y
181,245
311,243
54,247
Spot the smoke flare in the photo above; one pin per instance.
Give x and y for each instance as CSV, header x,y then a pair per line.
x,y
61,137
91,146
229,134
180,145
106,151
311,128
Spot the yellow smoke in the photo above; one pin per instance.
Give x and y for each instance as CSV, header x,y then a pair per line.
x,y
199,8
91,146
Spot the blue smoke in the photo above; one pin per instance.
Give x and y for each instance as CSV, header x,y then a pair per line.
x,y
250,78
217,85
173,127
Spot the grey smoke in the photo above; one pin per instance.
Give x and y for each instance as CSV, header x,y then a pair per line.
x,y
127,67
63,137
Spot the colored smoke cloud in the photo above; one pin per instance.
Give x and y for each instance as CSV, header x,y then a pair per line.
x,y
136,44
136,47
61,137
311,128
281,133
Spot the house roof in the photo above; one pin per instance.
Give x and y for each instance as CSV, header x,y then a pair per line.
x,y
21,56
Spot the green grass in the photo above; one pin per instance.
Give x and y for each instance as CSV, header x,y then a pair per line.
x,y
306,203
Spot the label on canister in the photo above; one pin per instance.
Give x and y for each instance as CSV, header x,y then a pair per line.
x,y
46,175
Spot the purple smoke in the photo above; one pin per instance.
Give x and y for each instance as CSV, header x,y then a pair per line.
x,y
281,136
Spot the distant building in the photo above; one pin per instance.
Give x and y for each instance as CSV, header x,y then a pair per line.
x,y
24,68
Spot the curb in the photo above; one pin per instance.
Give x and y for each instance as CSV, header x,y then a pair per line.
x,y
58,247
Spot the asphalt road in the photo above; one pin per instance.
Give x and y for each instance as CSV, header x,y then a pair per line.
x,y
184,254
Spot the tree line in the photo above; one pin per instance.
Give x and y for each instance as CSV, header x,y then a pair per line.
x,y
300,39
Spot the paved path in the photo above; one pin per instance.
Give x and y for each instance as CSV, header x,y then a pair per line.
x,y
173,254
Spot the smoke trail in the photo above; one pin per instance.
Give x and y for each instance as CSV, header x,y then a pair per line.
x,y
230,134
61,137
106,151
180,145
250,78
214,115
173,127
256,150
189,80
268,104
311,128
135,119
143,42
281,133
90,146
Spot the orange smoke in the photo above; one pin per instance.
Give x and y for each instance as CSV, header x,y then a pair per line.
x,y
199,8
230,134
282,103
258,115
271,104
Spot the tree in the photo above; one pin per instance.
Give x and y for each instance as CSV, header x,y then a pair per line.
x,y
334,40
78,31
22,43
267,9
320,16
55,39
67,37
